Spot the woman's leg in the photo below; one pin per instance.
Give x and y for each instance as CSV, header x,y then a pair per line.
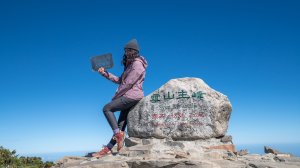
x,y
122,121
121,125
110,108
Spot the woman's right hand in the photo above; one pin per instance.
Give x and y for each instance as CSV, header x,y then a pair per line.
x,y
101,70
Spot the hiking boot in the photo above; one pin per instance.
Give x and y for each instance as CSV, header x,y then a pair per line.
x,y
105,151
119,137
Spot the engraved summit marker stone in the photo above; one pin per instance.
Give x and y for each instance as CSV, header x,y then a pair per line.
x,y
183,109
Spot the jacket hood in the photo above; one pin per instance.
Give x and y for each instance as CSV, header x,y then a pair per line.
x,y
142,60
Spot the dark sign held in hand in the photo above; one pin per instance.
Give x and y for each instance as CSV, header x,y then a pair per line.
x,y
104,60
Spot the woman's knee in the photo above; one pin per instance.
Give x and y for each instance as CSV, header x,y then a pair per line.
x,y
106,108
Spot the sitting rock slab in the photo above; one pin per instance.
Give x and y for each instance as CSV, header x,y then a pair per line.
x,y
182,109
162,153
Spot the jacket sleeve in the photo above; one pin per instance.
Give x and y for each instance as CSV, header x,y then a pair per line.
x,y
132,77
112,77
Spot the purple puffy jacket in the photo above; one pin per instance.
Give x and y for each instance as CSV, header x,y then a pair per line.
x,y
131,81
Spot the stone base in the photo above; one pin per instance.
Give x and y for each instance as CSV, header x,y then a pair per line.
x,y
169,149
146,153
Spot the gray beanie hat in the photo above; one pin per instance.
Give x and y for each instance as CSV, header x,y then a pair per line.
x,y
133,45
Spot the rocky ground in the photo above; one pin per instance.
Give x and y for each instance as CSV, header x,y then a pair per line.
x,y
182,124
166,153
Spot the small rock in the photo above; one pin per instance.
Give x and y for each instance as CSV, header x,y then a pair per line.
x,y
90,154
268,157
230,156
226,138
252,165
146,141
181,155
284,155
213,155
227,147
174,144
270,150
279,159
124,164
262,165
242,152
132,141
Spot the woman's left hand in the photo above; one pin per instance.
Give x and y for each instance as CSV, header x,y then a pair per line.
x,y
101,70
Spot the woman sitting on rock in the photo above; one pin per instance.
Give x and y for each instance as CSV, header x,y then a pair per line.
x,y
129,92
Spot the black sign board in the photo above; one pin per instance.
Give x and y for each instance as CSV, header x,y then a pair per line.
x,y
104,61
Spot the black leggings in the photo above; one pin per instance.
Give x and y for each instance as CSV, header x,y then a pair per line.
x,y
122,104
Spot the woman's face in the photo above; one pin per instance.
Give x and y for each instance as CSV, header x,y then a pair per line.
x,y
129,52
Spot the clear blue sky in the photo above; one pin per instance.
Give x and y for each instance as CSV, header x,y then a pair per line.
x,y
51,101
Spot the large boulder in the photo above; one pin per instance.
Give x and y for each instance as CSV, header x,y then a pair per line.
x,y
181,109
